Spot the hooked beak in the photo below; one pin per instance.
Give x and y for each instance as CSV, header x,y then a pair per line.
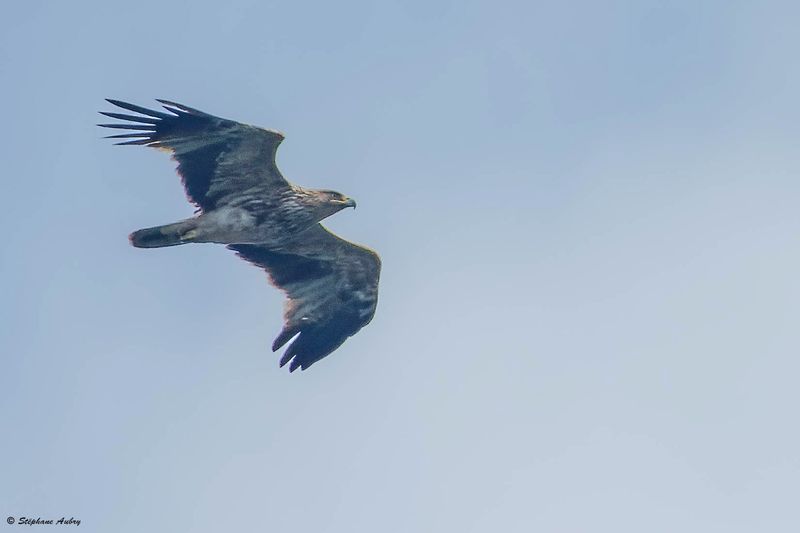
x,y
350,203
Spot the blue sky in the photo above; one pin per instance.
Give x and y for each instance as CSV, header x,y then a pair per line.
x,y
587,214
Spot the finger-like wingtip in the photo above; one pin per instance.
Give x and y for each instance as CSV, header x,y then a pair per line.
x,y
284,337
168,102
290,355
128,136
175,107
132,118
135,142
146,127
138,109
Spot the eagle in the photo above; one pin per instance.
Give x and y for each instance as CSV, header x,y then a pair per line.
x,y
229,173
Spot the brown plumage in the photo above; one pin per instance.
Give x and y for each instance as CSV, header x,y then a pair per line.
x,y
228,170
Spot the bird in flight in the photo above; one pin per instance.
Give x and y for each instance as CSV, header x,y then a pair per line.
x,y
228,171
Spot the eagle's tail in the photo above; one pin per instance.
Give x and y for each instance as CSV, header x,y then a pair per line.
x,y
168,235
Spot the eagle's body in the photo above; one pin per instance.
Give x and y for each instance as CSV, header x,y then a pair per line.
x,y
270,221
228,170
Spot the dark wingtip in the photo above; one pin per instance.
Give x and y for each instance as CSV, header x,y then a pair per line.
x,y
284,336
145,127
168,102
290,355
175,107
136,142
128,135
132,118
138,109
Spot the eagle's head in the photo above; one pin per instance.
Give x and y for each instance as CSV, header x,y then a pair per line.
x,y
330,202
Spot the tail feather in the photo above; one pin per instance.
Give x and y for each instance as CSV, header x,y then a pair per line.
x,y
161,236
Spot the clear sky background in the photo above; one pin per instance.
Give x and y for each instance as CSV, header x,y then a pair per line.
x,y
588,219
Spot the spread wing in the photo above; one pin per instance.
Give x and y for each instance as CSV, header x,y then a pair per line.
x,y
332,290
218,159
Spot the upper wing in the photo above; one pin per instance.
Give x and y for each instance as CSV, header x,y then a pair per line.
x,y
332,290
217,158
